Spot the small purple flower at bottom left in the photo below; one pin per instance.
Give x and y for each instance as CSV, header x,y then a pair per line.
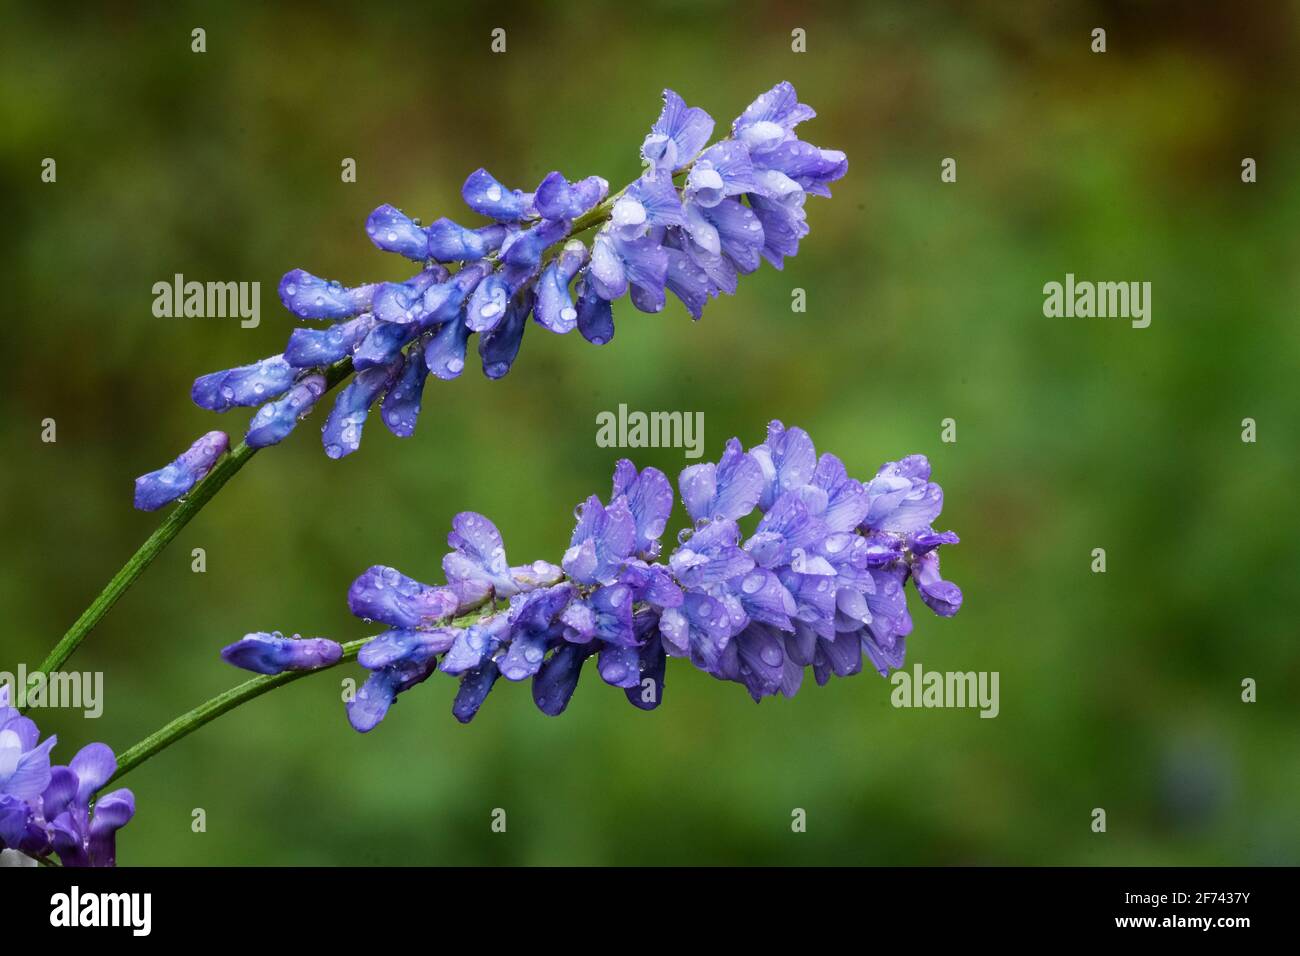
x,y
50,810
168,483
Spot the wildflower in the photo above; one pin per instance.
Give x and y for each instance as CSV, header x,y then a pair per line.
x,y
170,482
695,220
819,583
274,653
47,809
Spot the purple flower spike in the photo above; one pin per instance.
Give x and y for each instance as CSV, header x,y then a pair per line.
x,y
274,653
246,385
385,594
741,202
46,810
275,420
393,231
168,483
821,583
80,836
309,297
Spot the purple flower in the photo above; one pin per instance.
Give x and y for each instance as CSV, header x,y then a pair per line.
x,y
308,348
487,197
729,489
24,758
476,567
602,541
677,136
901,498
274,653
83,828
554,309
48,809
821,583
308,297
650,499
742,200
246,385
275,420
341,433
168,483
393,231
385,594
452,242
402,403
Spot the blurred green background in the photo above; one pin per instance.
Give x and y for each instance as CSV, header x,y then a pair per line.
x,y
1118,690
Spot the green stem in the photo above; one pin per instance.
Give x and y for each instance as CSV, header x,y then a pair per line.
x,y
227,701
135,565
208,711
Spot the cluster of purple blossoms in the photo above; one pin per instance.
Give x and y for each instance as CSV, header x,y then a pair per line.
x,y
693,222
48,809
819,582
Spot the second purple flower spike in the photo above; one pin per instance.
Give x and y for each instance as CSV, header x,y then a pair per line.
x,y
820,581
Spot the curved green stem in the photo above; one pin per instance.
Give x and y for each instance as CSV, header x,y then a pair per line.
x,y
210,710
227,701
203,493
144,556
